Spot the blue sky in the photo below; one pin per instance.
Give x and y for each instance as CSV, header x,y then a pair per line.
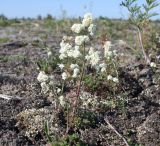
x,y
74,8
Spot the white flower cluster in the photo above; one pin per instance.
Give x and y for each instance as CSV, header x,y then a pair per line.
x,y
42,77
75,69
77,28
91,29
91,102
103,67
61,66
67,50
114,79
64,76
107,46
93,57
62,101
87,20
46,81
80,40
49,53
107,52
85,25
153,64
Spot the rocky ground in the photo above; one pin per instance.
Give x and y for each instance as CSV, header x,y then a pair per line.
x,y
137,120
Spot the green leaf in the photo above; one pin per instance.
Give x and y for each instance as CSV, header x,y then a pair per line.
x,y
145,7
152,15
149,2
154,5
46,128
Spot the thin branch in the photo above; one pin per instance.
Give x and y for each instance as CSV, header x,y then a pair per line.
x,y
7,97
80,80
142,47
16,43
125,141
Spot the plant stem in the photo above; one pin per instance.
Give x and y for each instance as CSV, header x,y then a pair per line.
x,y
67,129
80,80
62,87
142,47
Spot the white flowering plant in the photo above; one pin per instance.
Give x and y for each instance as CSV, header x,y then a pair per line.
x,y
81,64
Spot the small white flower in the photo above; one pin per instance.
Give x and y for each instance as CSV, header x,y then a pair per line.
x,y
73,66
87,57
79,40
49,54
122,43
75,72
62,44
87,19
86,38
91,29
153,64
107,47
158,57
114,52
61,66
65,50
65,38
91,51
52,77
70,53
64,76
52,83
109,77
45,87
86,22
115,80
122,54
76,52
102,65
62,56
76,47
95,58
103,69
98,68
109,54
62,101
77,28
65,47
42,77
58,90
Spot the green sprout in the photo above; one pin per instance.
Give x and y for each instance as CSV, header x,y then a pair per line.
x,y
140,17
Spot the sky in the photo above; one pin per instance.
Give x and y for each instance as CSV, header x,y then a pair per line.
x,y
73,8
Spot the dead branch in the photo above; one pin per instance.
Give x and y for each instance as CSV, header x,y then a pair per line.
x,y
125,141
7,97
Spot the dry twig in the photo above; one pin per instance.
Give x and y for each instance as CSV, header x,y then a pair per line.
x,y
125,141
7,97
